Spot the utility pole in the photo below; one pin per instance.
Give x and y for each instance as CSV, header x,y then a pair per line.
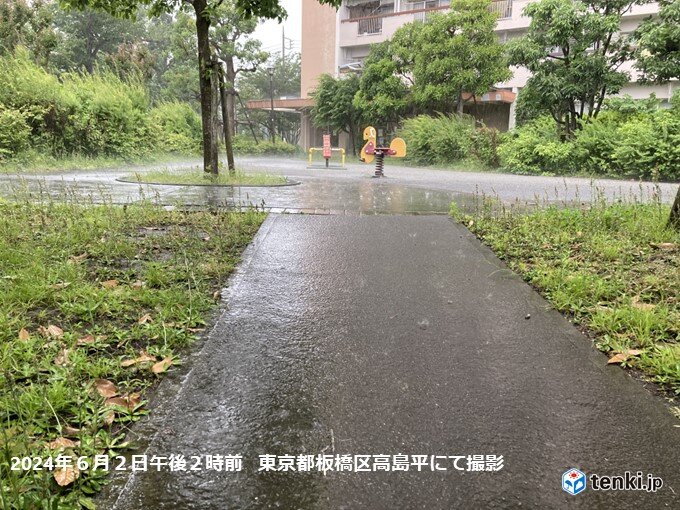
x,y
283,44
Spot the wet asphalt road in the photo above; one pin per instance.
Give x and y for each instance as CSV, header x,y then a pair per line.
x,y
335,191
396,335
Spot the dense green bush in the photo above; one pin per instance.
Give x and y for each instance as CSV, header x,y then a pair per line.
x,y
444,139
178,128
649,146
629,138
110,117
246,145
536,148
92,115
15,132
438,139
485,144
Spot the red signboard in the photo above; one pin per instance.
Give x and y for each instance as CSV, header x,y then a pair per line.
x,y
327,146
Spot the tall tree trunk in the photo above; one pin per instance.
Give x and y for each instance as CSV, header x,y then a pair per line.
x,y
674,220
461,105
226,119
231,101
207,85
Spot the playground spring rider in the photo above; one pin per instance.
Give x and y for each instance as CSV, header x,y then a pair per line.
x,y
370,151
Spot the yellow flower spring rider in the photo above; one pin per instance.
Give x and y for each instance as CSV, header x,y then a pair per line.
x,y
370,151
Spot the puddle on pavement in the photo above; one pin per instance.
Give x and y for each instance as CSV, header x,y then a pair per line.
x,y
359,196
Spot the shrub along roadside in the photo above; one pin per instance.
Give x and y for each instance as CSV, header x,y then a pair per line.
x,y
95,115
613,268
630,139
246,145
95,304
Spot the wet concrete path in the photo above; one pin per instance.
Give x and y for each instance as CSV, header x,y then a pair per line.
x,y
351,191
397,335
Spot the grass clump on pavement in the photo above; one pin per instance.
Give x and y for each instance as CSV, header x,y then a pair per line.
x,y
615,268
96,303
197,176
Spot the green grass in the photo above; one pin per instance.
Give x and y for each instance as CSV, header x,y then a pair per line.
x,y
197,176
41,164
85,292
614,268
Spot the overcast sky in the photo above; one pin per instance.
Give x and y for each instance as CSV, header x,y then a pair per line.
x,y
269,32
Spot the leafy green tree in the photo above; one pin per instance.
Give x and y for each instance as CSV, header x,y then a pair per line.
x,y
334,108
658,44
574,54
285,82
457,53
384,88
30,26
177,76
238,52
428,67
15,17
658,57
204,11
90,34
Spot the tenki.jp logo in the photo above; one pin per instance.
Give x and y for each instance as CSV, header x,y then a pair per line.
x,y
574,481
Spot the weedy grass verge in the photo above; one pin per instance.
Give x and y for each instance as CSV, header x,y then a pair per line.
x,y
96,303
197,176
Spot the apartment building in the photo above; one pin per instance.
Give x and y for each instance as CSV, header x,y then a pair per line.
x,y
337,42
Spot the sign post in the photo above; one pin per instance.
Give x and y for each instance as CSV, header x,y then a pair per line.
x,y
327,148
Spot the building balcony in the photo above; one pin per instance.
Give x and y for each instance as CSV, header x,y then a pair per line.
x,y
368,22
364,22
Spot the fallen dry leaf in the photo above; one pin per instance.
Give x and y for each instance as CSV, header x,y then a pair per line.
x,y
195,330
623,356
134,399
110,416
62,358
161,366
116,401
86,340
641,306
110,284
143,358
664,246
24,335
55,331
105,388
66,476
144,319
71,431
138,284
62,442
617,358
217,295
129,401
78,258
59,286
51,331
